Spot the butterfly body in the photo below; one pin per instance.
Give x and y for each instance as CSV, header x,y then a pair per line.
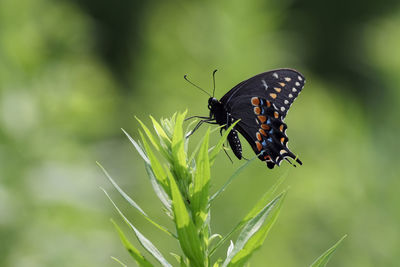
x,y
261,104
222,117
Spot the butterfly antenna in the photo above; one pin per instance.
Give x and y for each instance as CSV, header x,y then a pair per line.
x,y
214,81
198,87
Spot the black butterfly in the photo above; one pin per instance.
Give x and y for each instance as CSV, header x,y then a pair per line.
x,y
261,104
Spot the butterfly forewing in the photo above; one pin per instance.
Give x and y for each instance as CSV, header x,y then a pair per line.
x,y
281,87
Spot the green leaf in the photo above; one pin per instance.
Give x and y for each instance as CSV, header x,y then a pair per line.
x,y
161,133
137,146
233,176
158,189
196,149
142,239
156,167
133,203
136,255
123,194
256,241
201,182
187,233
153,140
325,257
266,198
220,143
177,144
120,262
249,231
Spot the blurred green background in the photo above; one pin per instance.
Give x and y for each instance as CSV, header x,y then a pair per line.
x,y
72,73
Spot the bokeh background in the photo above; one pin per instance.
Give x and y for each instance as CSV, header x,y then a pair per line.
x,y
72,73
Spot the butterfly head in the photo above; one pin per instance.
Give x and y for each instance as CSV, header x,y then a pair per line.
x,y
212,102
214,106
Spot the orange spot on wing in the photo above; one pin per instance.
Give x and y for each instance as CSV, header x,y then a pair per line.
x,y
273,95
258,135
257,110
265,127
262,118
282,140
268,103
262,132
282,84
267,157
277,89
255,101
276,114
281,128
259,146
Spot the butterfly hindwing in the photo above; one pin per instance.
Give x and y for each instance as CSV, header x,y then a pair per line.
x,y
262,126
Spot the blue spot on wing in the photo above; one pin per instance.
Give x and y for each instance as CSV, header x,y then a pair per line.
x,y
264,143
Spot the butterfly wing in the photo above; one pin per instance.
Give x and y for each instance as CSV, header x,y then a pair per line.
x,y
261,103
280,87
262,126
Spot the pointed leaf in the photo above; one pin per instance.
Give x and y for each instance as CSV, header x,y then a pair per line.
x,y
156,167
138,148
187,234
233,176
161,133
266,198
256,241
142,239
136,255
220,143
133,203
177,145
161,194
153,140
325,257
251,228
120,262
201,182
123,194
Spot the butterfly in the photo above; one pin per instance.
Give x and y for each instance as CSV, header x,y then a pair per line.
x,y
260,103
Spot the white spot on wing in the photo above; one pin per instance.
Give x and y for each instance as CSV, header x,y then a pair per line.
x,y
288,79
286,102
257,121
282,109
265,84
275,75
294,90
297,84
300,79
290,95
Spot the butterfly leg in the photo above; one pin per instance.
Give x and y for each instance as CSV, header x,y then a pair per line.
x,y
226,152
209,121
198,117
224,147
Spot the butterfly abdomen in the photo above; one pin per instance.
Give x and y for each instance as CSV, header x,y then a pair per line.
x,y
235,144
